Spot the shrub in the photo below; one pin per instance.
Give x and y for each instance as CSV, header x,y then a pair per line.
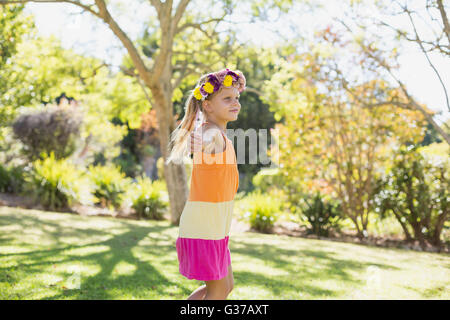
x,y
5,179
110,185
160,168
11,179
267,179
54,129
149,199
415,191
322,214
261,211
57,184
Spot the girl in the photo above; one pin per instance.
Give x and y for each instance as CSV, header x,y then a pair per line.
x,y
202,243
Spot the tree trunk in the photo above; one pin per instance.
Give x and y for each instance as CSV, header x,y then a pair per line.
x,y
418,235
444,19
364,222
358,229
174,174
158,79
436,240
404,227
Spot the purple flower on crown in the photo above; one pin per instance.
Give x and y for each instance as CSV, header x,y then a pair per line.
x,y
233,74
212,78
203,92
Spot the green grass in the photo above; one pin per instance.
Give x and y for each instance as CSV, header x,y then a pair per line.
x,y
42,253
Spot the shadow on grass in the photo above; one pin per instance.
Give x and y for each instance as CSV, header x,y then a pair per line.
x,y
301,272
144,278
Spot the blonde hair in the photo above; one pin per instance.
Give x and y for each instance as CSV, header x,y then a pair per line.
x,y
178,148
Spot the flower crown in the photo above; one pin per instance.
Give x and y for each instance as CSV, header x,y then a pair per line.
x,y
213,84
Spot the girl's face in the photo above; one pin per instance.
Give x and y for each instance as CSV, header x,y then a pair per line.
x,y
224,106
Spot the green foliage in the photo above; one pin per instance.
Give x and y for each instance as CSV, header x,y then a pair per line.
x,y
322,214
57,184
51,130
335,144
5,180
432,135
149,198
127,99
129,163
160,167
11,179
14,27
267,178
261,211
110,184
40,69
128,160
416,192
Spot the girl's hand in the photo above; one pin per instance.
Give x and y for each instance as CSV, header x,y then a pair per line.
x,y
195,141
213,141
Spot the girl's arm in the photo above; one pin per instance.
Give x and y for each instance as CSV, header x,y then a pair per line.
x,y
212,140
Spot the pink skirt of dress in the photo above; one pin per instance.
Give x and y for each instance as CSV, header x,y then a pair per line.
x,y
203,259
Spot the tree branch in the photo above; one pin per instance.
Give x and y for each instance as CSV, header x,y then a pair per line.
x,y
123,37
179,13
428,59
444,19
79,4
157,4
103,14
198,24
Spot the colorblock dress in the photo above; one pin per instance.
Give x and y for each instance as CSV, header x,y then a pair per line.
x,y
202,243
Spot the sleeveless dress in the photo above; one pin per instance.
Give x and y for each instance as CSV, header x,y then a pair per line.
x,y
202,243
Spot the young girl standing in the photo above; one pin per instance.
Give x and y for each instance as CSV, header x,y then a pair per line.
x,y
202,243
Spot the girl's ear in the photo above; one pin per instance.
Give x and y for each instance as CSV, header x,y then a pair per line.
x,y
206,106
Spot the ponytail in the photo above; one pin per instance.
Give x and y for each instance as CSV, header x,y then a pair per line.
x,y
178,148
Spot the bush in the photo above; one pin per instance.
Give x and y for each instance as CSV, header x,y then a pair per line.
x,y
57,184
5,179
54,129
267,179
129,163
415,191
261,211
321,214
149,199
110,185
11,179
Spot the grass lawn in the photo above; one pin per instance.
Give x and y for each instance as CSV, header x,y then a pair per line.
x,y
52,255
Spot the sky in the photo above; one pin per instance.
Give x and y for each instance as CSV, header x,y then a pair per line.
x,y
85,34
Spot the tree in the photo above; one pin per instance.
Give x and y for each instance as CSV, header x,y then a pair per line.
x,y
415,191
159,77
14,28
329,137
40,69
172,61
368,32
